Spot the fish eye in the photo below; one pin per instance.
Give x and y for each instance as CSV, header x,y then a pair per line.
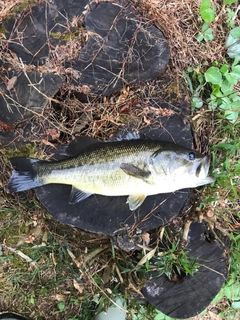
x,y
191,156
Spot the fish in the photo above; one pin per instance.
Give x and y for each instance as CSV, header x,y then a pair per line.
x,y
135,168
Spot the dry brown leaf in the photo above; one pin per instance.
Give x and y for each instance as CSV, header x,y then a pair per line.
x,y
29,239
53,133
78,286
6,127
213,315
47,143
60,297
11,83
146,238
147,257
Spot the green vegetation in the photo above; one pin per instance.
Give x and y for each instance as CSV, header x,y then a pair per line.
x,y
215,88
214,92
171,261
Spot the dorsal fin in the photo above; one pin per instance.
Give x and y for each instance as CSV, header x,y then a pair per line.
x,y
79,144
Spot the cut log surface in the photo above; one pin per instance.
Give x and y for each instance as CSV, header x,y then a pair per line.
x,y
11,316
30,36
191,296
122,49
28,94
111,215
75,44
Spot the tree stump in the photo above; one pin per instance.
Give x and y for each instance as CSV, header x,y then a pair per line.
x,y
190,296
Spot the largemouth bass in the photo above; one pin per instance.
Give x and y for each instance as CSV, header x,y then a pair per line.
x,y
135,168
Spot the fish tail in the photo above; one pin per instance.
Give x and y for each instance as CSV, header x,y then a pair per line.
x,y
24,176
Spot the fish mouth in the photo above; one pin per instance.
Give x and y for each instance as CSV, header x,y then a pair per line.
x,y
203,168
201,171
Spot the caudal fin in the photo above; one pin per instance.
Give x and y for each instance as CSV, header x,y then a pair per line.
x,y
24,176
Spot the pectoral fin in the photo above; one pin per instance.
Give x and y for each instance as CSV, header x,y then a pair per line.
x,y
134,171
77,195
135,200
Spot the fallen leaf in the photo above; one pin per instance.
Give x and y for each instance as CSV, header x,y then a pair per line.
x,y
6,127
146,238
78,286
29,239
147,257
11,83
60,297
53,133
47,143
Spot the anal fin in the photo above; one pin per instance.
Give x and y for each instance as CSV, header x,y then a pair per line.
x,y
135,200
77,195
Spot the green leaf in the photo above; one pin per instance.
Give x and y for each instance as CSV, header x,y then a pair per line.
x,y
236,305
213,75
200,79
230,17
233,44
232,116
31,300
217,91
212,105
229,1
205,5
225,103
226,87
205,26
235,105
208,15
208,35
197,102
218,297
206,11
61,306
236,72
224,68
161,316
200,37
232,79
235,62
235,33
